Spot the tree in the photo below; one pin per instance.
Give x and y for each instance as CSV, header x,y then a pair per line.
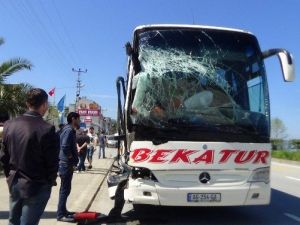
x,y
278,134
113,127
13,65
12,97
295,144
278,129
52,115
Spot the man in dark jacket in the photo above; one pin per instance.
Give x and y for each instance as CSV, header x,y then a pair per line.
x,y
30,160
82,141
68,159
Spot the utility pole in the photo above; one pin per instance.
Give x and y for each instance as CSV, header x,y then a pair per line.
x,y
78,84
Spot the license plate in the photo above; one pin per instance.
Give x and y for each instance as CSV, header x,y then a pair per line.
x,y
203,197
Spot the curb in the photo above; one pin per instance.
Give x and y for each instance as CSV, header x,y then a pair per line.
x,y
99,187
96,193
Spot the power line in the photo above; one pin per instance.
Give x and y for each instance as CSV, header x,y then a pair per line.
x,y
62,40
21,16
67,33
48,35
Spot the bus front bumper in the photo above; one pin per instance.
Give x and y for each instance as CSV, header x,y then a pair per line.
x,y
141,191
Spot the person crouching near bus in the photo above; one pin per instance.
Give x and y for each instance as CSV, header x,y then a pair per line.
x,y
92,146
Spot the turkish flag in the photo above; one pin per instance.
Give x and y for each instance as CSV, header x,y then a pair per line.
x,y
51,92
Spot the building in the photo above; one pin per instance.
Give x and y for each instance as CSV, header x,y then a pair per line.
x,y
91,115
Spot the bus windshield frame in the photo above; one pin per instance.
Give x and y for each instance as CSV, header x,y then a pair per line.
x,y
200,79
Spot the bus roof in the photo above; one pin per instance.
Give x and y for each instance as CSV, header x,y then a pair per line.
x,y
155,26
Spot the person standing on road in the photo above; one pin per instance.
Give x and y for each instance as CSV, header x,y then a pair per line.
x,y
102,143
30,160
68,158
92,146
82,141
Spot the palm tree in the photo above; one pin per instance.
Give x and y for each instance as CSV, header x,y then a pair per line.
x,y
12,97
13,65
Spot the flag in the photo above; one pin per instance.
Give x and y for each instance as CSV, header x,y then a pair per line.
x,y
51,92
61,104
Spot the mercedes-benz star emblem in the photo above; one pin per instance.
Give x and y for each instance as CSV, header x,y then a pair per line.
x,y
204,177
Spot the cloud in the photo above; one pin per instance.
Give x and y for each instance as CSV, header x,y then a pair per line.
x,y
103,96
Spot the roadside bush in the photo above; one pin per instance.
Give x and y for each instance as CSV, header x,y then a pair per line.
x,y
277,144
280,154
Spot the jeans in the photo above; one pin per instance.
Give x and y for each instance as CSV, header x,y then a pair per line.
x,y
102,148
90,153
27,211
82,157
66,174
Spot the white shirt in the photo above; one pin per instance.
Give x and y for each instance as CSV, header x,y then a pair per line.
x,y
93,140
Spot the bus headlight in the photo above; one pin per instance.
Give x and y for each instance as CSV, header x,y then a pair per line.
x,y
260,175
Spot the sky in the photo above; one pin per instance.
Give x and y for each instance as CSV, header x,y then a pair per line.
x,y
58,35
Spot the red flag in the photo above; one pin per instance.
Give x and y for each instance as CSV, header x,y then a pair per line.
x,y
51,92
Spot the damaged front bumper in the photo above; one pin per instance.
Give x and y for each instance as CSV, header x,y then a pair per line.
x,y
141,191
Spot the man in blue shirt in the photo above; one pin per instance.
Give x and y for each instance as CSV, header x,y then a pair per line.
x,y
68,159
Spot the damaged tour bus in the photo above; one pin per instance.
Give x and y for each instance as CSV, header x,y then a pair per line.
x,y
194,117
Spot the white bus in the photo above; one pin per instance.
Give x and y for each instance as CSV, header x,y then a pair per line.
x,y
195,117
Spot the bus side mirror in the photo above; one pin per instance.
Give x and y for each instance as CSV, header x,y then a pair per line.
x,y
129,49
286,62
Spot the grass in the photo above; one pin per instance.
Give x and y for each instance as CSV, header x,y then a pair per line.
x,y
281,154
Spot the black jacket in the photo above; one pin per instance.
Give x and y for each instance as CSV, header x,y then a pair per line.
x,y
68,151
30,152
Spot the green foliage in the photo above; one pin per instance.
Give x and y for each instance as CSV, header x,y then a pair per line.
x,y
295,156
295,143
14,65
278,129
277,144
113,127
52,115
13,98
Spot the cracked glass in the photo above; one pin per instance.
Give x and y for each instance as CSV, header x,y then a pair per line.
x,y
200,78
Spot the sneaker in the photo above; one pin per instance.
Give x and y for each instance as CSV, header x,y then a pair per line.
x,y
70,214
66,219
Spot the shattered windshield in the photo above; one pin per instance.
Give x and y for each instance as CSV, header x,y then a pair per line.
x,y
200,78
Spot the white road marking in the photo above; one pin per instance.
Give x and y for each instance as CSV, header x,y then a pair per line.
x,y
293,178
284,164
292,217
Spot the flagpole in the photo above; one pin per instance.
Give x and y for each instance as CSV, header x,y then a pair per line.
x,y
54,99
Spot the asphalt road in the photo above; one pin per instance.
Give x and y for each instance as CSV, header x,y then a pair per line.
x,y
283,210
